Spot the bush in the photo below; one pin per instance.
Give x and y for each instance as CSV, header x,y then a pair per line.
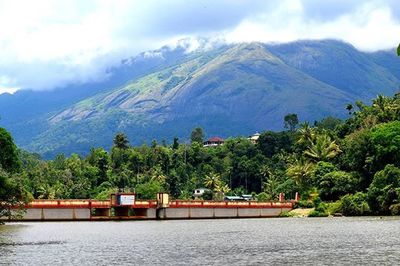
x,y
320,208
336,184
356,155
263,197
105,194
384,189
304,204
286,214
395,209
288,187
207,195
322,169
316,201
355,205
316,213
148,190
334,207
386,142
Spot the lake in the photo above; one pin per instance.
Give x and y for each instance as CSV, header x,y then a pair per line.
x,y
275,241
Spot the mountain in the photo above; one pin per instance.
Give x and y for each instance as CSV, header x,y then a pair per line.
x,y
229,90
26,112
342,66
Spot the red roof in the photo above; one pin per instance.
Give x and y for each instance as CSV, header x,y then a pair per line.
x,y
215,139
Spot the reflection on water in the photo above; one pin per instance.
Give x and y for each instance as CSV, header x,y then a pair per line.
x,y
30,243
316,241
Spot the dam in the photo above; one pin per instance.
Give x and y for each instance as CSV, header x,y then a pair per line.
x,y
125,206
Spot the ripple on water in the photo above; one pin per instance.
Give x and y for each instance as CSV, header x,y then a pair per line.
x,y
365,240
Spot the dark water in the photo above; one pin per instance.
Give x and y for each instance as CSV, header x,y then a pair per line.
x,y
284,241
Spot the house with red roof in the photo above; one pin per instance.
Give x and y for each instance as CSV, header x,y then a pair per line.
x,y
214,141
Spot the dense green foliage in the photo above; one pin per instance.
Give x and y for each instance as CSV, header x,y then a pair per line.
x,y
9,160
355,205
291,121
353,164
11,192
197,135
384,190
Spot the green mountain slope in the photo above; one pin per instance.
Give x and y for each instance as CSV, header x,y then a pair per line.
x,y
229,91
340,65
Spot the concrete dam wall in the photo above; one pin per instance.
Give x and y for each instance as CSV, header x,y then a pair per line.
x,y
113,209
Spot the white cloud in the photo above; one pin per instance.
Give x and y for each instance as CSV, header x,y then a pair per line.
x,y
371,27
8,90
46,44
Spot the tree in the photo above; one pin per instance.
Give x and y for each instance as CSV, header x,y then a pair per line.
x,y
154,144
329,123
149,189
384,190
99,159
355,205
357,154
263,197
9,159
175,144
385,140
291,121
212,181
301,171
121,141
336,184
382,107
223,188
271,187
271,143
47,191
349,108
398,50
307,134
321,169
197,135
11,195
322,149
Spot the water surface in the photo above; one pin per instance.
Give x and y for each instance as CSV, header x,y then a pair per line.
x,y
278,241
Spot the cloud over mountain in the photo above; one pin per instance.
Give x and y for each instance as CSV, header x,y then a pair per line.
x,y
49,44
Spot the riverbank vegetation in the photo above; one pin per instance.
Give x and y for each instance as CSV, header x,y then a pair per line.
x,y
347,166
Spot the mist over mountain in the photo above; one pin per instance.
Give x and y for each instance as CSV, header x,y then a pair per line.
x,y
228,89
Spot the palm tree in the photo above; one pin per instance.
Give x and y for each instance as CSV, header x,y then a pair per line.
x,y
307,134
223,188
301,171
380,102
265,173
270,186
47,191
212,181
121,141
387,109
322,149
158,175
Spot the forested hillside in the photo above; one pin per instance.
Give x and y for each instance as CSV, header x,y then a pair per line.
x,y
349,166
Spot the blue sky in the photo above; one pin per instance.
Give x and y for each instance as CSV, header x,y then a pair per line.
x,y
45,44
